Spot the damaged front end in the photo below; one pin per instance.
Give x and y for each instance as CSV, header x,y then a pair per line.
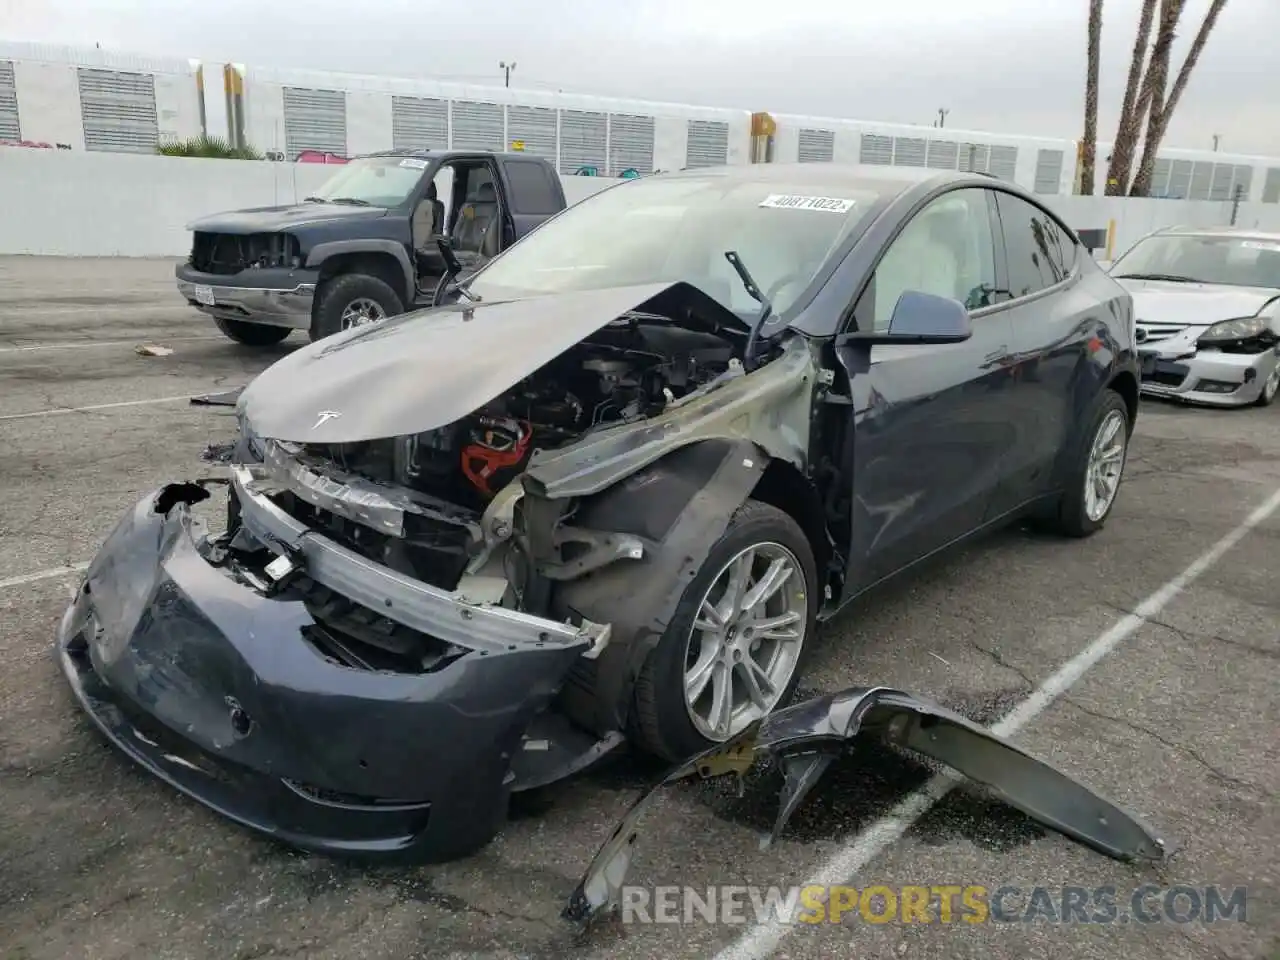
x,y
805,739
370,658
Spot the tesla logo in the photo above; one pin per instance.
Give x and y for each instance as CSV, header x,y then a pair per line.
x,y
326,416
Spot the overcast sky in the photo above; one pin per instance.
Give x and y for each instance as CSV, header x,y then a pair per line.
x,y
1014,66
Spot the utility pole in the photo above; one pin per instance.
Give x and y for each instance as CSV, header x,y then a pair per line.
x,y
506,69
942,116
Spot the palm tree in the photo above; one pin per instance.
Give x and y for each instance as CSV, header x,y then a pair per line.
x,y
1130,125
1089,146
1159,120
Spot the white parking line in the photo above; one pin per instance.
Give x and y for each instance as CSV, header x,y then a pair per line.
x,y
101,343
763,939
43,575
97,406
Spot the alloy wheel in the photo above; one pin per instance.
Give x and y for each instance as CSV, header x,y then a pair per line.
x,y
745,643
361,311
1106,464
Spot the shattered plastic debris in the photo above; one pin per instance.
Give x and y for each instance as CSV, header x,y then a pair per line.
x,y
804,740
226,399
151,350
218,452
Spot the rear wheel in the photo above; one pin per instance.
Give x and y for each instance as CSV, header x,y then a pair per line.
x,y
352,300
1097,466
732,651
251,334
1270,387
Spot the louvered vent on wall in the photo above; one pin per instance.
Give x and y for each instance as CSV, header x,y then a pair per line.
x,y
10,127
582,140
1271,186
477,126
908,151
1160,177
1004,162
1180,179
419,123
974,158
118,111
817,146
1049,171
875,149
535,127
1243,180
314,120
630,143
943,154
708,143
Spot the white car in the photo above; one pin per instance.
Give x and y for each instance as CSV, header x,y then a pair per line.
x,y
1207,304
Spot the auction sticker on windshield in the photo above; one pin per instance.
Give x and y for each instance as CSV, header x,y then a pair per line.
x,y
784,201
413,163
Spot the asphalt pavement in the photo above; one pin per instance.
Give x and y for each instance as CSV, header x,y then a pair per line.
x,y
1173,712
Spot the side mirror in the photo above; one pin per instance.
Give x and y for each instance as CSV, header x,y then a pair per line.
x,y
921,318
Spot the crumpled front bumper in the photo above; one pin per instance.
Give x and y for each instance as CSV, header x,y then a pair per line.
x,y
1207,376
214,687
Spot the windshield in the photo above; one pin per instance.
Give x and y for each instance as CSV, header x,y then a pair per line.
x,y
376,181
659,229
1238,261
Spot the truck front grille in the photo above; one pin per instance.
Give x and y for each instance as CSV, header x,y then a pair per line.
x,y
229,253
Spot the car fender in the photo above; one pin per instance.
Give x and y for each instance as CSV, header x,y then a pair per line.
x,y
675,506
332,248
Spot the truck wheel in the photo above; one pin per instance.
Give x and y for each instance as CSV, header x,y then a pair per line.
x,y
733,649
251,334
352,300
1097,466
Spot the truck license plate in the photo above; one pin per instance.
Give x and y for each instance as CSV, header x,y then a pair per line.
x,y
204,295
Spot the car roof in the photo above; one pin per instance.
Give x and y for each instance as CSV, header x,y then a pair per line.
x,y
443,154
1241,233
875,178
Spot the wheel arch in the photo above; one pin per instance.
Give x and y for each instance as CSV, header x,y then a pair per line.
x,y
384,259
1126,384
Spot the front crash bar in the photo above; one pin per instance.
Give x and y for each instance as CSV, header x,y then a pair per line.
x,y
442,614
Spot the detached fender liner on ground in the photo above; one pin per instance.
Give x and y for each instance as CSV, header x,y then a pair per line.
x,y
805,739
215,688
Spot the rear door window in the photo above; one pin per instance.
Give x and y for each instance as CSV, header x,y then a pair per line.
x,y
1040,253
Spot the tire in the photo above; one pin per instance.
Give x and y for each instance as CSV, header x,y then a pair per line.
x,y
251,334
662,720
1270,388
340,292
1073,518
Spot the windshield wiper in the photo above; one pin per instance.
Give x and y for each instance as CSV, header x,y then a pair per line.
x,y
1171,277
766,308
354,201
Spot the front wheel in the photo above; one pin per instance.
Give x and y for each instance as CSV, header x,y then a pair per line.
x,y
732,651
1093,480
352,300
251,334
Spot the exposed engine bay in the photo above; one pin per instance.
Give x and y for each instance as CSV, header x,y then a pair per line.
x,y
628,371
632,369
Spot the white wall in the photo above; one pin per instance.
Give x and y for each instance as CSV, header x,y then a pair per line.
x,y
64,203
68,203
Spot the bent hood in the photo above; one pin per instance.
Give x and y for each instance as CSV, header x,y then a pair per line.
x,y
276,219
1194,304
423,370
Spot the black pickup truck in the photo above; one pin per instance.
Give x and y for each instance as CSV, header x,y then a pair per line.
x,y
367,245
